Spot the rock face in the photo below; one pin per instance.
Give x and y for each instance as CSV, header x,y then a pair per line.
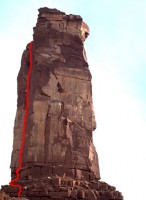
x,y
61,118
59,159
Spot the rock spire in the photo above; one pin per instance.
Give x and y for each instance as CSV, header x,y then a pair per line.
x,y
59,158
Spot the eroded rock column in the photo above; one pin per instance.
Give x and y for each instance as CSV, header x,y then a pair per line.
x,y
59,159
61,116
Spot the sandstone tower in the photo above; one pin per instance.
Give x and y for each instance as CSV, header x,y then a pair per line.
x,y
59,159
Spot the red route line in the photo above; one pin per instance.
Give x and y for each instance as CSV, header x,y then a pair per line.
x,y
24,125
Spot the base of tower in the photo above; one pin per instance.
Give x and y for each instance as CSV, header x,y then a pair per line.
x,y
64,188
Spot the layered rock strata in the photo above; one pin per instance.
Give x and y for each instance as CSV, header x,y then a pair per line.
x,y
59,159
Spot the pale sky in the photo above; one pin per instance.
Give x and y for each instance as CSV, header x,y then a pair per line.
x,y
116,51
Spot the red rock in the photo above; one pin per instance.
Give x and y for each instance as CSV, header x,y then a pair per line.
x,y
59,158
81,194
61,117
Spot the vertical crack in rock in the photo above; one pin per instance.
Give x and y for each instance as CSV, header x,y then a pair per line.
x,y
59,153
47,136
